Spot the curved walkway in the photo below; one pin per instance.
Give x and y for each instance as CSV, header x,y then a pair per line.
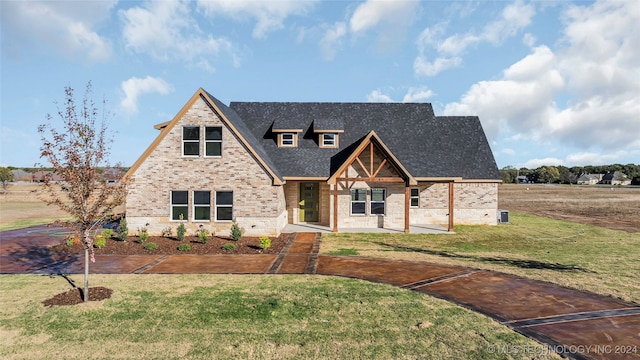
x,y
577,324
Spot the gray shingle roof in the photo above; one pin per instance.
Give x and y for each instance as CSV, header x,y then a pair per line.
x,y
428,146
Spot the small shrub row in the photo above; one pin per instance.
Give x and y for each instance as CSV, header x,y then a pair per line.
x,y
151,246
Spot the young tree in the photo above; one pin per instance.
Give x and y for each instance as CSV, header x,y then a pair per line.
x,y
6,176
75,153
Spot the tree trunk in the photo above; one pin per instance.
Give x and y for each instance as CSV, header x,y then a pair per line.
x,y
86,274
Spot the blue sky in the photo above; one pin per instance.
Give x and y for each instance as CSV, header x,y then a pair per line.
x,y
554,83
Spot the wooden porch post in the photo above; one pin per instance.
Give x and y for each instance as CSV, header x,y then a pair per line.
x,y
450,207
335,207
407,199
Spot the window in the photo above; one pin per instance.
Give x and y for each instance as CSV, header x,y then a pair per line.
x,y
224,205
191,141
377,204
179,205
358,201
287,139
213,141
202,205
415,197
329,140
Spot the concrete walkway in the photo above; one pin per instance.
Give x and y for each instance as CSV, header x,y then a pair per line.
x,y
577,324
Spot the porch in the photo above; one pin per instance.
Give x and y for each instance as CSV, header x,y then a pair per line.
x,y
413,229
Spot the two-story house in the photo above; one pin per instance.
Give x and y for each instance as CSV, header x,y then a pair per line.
x,y
340,165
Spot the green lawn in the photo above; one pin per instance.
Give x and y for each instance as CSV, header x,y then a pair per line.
x,y
580,256
242,317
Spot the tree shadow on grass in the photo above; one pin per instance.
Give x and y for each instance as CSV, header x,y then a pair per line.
x,y
525,264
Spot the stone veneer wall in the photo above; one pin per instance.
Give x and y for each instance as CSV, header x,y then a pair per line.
x,y
473,204
258,205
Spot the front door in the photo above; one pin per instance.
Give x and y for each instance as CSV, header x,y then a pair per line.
x,y
309,206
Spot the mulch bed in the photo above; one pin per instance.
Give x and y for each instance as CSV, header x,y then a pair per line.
x,y
74,296
169,246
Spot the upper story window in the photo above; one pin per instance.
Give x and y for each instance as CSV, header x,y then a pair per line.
x,y
288,139
191,141
328,140
213,141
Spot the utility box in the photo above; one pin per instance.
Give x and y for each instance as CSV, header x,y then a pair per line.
x,y
503,216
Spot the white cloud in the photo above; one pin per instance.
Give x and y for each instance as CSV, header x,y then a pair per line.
x,y
422,67
65,27
371,13
595,70
378,96
536,163
514,18
134,87
417,94
332,39
269,15
167,32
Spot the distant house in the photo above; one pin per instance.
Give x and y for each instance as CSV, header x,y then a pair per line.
x,y
589,179
522,180
340,165
40,175
21,175
615,178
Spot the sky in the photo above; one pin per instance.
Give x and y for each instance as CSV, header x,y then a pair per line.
x,y
553,82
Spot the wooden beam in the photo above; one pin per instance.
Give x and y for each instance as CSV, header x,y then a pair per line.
x,y
384,161
363,167
371,156
372,179
407,199
451,207
335,207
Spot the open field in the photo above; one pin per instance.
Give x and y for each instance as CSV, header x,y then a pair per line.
x,y
244,317
613,207
21,207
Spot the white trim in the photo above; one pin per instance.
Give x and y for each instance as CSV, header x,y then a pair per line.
x,y
194,206
384,202
351,202
190,141
411,197
215,216
212,141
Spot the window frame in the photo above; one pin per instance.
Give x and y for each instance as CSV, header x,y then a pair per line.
x,y
292,140
198,205
332,143
363,201
414,197
212,141
172,206
217,206
185,141
383,202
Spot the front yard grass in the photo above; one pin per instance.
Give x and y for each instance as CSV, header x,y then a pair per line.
x,y
243,316
584,257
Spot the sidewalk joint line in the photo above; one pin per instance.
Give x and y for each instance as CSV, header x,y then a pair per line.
x,y
421,283
598,314
148,266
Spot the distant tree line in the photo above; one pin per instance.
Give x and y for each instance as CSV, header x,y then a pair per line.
x,y
567,175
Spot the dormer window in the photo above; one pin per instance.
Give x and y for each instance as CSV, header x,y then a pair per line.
x,y
288,139
328,140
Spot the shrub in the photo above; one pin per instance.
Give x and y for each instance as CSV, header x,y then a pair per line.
x,y
167,231
228,247
70,241
151,246
265,243
107,233
181,230
236,231
184,247
100,242
143,235
123,230
203,235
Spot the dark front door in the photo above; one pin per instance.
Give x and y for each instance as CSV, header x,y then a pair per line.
x,y
309,206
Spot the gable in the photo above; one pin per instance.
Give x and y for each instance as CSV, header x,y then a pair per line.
x,y
237,129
